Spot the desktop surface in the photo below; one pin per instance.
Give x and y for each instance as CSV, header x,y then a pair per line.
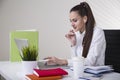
x,y
13,71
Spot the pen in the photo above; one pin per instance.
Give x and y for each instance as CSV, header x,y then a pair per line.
x,y
82,78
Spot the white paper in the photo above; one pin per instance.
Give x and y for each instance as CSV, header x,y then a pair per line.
x,y
98,69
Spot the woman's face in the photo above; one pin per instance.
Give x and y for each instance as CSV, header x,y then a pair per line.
x,y
77,22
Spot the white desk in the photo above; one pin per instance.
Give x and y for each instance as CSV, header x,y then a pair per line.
x,y
13,71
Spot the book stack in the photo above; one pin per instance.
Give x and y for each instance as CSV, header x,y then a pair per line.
x,y
46,74
98,70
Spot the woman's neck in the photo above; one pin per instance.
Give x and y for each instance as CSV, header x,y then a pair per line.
x,y
82,29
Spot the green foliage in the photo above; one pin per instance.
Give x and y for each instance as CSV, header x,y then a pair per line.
x,y
29,53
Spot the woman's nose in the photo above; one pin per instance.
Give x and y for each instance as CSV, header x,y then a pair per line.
x,y
72,24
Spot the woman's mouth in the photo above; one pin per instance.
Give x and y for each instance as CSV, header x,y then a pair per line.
x,y
74,27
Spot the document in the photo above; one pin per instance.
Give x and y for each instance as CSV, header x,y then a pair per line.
x,y
98,69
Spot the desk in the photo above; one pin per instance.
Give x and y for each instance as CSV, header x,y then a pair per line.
x,y
13,71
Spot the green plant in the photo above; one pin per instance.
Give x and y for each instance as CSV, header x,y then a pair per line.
x,y
29,53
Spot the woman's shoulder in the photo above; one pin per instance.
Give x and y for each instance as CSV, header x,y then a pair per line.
x,y
98,31
96,28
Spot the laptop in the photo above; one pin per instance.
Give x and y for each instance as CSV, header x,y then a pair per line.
x,y
42,65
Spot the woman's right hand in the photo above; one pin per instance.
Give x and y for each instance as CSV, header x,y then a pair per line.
x,y
71,37
56,61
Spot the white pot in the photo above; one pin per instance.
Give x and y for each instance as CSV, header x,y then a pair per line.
x,y
28,66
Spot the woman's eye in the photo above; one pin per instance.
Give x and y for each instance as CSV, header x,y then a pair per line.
x,y
75,20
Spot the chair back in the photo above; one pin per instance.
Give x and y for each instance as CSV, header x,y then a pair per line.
x,y
112,54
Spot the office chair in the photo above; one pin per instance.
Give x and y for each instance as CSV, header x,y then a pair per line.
x,y
112,53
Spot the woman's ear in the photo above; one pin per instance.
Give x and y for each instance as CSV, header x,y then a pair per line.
x,y
85,19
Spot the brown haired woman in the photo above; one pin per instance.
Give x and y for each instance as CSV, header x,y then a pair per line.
x,y
87,40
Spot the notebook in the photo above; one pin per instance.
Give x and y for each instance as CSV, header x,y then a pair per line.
x,y
50,72
34,77
42,65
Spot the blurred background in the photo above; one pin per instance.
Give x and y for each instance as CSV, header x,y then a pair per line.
x,y
51,19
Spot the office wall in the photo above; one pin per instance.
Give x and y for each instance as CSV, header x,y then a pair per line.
x,y
51,19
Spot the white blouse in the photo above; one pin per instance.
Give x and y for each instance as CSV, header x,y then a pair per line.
x,y
96,54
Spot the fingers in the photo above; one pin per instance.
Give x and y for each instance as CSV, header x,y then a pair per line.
x,y
47,58
51,61
70,33
72,30
55,61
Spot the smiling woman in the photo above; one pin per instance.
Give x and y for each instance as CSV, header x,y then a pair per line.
x,y
87,40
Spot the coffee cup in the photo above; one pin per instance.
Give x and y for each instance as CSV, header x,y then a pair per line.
x,y
78,67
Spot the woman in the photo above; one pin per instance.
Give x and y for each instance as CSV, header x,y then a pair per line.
x,y
86,39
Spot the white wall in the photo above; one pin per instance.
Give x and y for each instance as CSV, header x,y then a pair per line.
x,y
51,19
107,13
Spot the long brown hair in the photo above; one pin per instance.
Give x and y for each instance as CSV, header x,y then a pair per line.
x,y
84,9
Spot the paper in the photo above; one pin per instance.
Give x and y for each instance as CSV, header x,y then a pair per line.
x,y
98,69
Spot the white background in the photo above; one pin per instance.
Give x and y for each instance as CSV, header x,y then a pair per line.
x,y
51,19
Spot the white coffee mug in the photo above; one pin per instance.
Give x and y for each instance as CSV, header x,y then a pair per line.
x,y
78,67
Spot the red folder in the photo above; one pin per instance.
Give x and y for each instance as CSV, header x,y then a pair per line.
x,y
50,72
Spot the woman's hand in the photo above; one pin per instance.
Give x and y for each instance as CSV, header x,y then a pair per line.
x,y
71,37
56,61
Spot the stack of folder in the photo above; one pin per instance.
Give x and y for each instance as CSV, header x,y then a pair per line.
x,y
47,74
98,70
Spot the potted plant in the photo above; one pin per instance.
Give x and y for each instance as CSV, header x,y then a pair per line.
x,y
29,55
